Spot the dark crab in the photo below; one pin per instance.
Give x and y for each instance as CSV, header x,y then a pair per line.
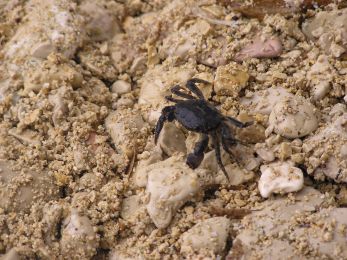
x,y
198,115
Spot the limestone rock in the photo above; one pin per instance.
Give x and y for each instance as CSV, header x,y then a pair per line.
x,y
328,158
121,87
325,28
293,117
230,79
210,234
275,222
280,177
52,25
101,22
131,205
20,189
79,239
170,184
124,127
263,101
172,139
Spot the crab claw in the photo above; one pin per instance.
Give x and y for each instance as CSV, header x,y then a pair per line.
x,y
194,160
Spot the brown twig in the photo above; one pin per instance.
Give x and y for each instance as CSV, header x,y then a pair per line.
x,y
230,213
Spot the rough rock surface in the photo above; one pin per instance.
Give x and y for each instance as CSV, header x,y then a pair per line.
x,y
22,188
293,117
170,184
280,177
328,157
210,234
275,219
329,30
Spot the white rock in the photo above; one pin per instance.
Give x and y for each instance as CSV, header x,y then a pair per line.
x,y
121,87
131,205
325,28
46,73
245,156
210,234
60,107
184,42
261,48
153,116
289,222
263,101
265,153
210,173
4,87
280,177
101,23
79,239
42,50
293,117
172,139
52,25
320,69
124,127
236,175
334,135
320,90
156,84
19,190
331,242
272,219
145,165
170,184
124,102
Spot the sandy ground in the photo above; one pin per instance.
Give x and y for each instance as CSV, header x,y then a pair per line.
x,y
82,85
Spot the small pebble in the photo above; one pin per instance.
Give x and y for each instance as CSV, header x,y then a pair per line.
x,y
121,87
281,178
293,117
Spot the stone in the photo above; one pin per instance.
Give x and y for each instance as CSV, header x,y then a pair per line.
x,y
327,26
210,234
78,238
280,177
263,101
172,139
230,79
124,127
293,117
22,188
171,183
328,158
131,206
121,87
268,231
261,48
101,23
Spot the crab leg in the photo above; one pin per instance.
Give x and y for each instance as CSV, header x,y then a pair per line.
x,y
238,123
177,91
167,114
218,155
194,159
227,138
193,88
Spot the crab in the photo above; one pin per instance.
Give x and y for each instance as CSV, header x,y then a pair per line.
x,y
196,114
